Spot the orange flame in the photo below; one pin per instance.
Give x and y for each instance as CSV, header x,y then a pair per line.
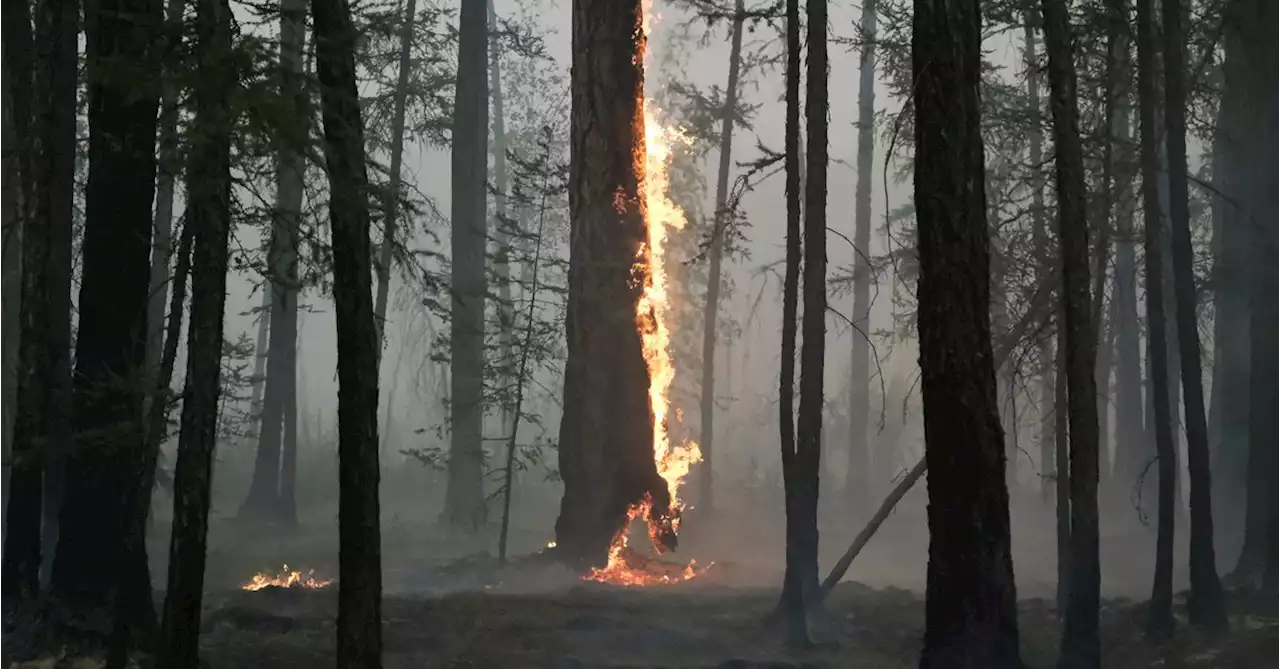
x,y
653,321
286,579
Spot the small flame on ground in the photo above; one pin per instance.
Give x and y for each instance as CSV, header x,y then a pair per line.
x,y
287,578
653,318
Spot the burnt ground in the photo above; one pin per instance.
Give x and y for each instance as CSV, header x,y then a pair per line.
x,y
676,626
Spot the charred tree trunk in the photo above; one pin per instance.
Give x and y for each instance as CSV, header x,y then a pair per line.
x,y
108,462
209,217
266,499
793,604
970,615
464,497
26,242
260,361
359,625
606,431
391,198
715,258
1080,645
1160,620
1205,606
1040,233
860,485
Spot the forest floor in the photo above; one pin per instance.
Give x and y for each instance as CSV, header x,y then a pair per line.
x,y
686,625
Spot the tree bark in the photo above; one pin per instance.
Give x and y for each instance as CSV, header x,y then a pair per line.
x,y
1205,606
359,626
970,614
464,496
715,258
260,361
209,214
859,486
502,230
1080,644
606,430
107,463
24,256
1160,620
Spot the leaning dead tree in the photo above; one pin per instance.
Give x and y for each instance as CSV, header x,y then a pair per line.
x,y
606,432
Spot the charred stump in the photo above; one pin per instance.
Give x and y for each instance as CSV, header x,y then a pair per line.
x,y
606,432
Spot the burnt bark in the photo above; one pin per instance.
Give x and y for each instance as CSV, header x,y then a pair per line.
x,y
108,461
1080,644
715,258
359,626
606,431
1160,620
1205,605
860,485
792,604
209,189
464,497
278,425
970,614
22,489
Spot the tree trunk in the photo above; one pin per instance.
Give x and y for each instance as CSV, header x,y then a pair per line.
x,y
359,626
1080,644
26,311
715,257
860,485
970,614
1205,606
606,431
209,217
1160,620
1233,236
107,463
464,497
391,198
792,604
1040,236
502,228
259,379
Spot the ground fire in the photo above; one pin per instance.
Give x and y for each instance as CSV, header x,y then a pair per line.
x,y
287,578
626,566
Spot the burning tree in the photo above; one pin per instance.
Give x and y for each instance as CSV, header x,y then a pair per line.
x,y
615,457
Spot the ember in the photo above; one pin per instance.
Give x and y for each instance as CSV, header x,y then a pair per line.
x,y
286,578
653,319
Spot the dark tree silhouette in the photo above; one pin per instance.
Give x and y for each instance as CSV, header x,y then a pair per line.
x,y
970,614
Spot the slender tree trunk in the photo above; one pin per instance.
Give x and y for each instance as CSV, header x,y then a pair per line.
x,y
715,257
1041,241
464,496
209,186
26,240
1234,234
260,361
391,198
606,430
1205,606
502,226
1160,620
359,626
1080,644
970,614
792,604
860,485
108,461
266,498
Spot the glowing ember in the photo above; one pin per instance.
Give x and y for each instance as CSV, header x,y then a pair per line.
x,y
653,318
286,579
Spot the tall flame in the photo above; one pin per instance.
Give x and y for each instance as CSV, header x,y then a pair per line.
x,y
653,321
